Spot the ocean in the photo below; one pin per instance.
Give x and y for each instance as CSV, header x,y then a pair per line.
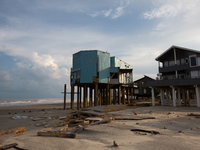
x,y
24,102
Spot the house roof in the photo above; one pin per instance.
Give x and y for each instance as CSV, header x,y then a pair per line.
x,y
143,78
170,50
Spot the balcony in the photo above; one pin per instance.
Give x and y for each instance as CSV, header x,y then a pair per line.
x,y
176,82
174,68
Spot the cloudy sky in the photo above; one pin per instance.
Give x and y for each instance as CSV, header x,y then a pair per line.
x,y
38,38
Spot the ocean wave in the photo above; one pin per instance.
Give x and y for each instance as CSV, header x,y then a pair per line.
x,y
20,102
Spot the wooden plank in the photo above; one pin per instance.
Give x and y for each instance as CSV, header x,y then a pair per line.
x,y
59,129
37,119
107,120
8,146
93,119
90,113
148,131
138,118
54,134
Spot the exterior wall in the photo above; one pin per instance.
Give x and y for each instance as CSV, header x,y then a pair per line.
x,y
116,62
88,66
104,67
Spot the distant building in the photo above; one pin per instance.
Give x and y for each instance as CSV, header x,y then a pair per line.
x,y
179,77
141,87
96,70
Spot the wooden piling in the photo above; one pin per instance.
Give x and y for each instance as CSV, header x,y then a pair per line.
x,y
96,95
90,97
123,95
78,102
65,96
119,94
85,97
72,97
114,96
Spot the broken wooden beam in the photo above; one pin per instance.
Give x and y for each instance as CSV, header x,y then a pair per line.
x,y
138,118
107,120
55,134
8,146
90,113
148,131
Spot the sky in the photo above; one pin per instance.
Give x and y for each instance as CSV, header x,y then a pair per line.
x,y
39,37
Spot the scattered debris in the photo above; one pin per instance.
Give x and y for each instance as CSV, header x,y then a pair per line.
x,y
19,131
37,119
169,113
55,134
134,112
41,124
58,129
116,143
138,118
8,146
148,131
165,127
137,123
107,120
180,131
93,119
19,117
191,114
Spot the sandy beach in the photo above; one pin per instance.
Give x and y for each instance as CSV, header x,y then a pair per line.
x,y
177,129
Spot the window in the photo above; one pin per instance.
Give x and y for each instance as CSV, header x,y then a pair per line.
x,y
193,61
145,91
136,91
166,63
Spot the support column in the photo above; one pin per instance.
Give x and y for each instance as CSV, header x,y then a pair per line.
x,y
80,96
183,96
179,97
85,97
173,96
167,95
131,95
78,104
72,97
123,95
90,96
96,95
119,94
197,95
110,98
107,94
103,102
161,96
100,96
127,91
153,96
114,96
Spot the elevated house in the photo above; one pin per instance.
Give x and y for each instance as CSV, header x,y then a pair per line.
x,y
141,87
98,74
179,77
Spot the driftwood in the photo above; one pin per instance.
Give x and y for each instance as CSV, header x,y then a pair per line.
x,y
148,131
54,134
107,120
138,118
